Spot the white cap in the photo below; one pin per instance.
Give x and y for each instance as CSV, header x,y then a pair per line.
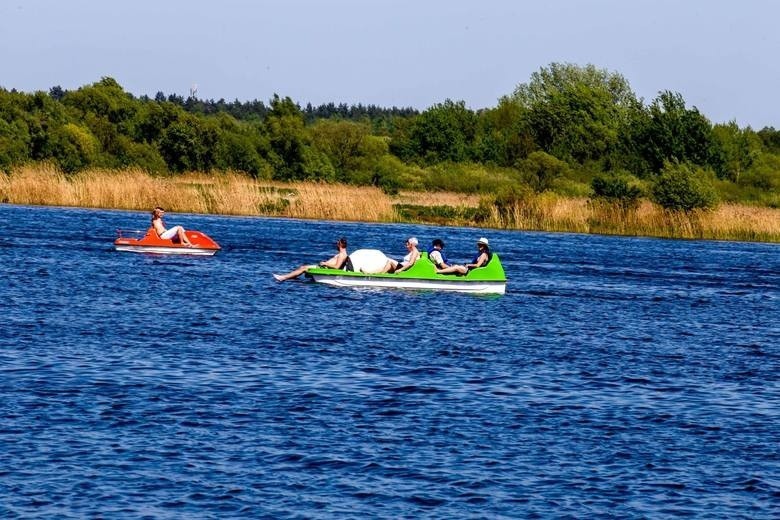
x,y
413,241
483,240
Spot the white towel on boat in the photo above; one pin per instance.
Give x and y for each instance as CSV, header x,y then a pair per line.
x,y
368,260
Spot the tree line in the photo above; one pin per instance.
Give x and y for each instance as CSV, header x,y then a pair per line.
x,y
577,130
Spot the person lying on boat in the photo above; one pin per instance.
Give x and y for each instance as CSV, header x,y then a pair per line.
x,y
436,254
168,234
394,266
480,260
337,261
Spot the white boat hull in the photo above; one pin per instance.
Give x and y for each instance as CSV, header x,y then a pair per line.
x,y
475,287
161,250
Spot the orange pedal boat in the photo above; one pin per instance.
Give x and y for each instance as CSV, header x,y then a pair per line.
x,y
150,242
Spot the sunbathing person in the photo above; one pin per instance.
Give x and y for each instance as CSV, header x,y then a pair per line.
x,y
335,262
168,234
394,266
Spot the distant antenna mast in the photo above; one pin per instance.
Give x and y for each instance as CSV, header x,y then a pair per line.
x,y
193,90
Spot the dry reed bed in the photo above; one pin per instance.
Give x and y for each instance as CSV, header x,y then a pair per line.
x,y
726,222
235,194
225,194
437,198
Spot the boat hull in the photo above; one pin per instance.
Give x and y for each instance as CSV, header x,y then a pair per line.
x,y
150,242
421,276
477,287
160,250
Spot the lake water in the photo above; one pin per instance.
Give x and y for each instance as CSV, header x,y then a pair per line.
x,y
618,377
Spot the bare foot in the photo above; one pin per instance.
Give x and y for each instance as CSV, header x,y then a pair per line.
x,y
279,278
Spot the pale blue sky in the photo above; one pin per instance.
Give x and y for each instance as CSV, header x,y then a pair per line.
x,y
722,56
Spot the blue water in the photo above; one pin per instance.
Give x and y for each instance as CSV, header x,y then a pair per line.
x,y
618,377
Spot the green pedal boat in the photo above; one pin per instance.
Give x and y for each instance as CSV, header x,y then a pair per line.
x,y
422,275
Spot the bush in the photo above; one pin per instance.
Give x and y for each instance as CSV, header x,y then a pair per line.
x,y
468,178
616,189
142,155
681,186
764,173
540,169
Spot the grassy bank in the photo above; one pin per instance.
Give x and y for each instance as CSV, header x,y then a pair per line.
x,y
233,194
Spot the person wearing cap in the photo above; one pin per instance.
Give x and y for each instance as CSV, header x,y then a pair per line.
x,y
337,261
393,266
436,254
480,260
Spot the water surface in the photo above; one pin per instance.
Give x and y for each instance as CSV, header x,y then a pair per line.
x,y
618,377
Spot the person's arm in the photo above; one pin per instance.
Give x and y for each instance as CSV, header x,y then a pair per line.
x,y
333,263
412,260
479,263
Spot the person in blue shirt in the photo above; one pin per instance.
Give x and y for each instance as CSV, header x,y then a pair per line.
x,y
436,254
480,260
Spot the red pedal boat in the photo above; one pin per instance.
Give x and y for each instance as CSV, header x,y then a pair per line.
x,y
150,242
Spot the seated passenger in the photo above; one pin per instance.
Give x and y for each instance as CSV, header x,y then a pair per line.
x,y
481,260
436,254
393,266
337,261
168,234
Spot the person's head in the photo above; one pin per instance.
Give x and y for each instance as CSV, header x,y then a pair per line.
x,y
157,212
437,243
483,244
411,242
341,243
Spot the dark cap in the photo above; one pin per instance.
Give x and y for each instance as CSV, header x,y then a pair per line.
x,y
437,242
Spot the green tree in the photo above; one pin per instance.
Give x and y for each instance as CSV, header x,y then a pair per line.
x,y
73,147
503,134
288,140
683,186
576,113
106,98
540,169
673,132
152,118
770,138
15,138
616,188
188,144
764,174
736,149
444,132
343,143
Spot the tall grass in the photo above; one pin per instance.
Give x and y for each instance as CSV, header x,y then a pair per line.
x,y
340,202
236,194
549,212
225,194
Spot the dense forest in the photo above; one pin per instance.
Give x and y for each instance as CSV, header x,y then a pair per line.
x,y
575,130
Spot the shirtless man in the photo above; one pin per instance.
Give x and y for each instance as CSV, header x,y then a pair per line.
x,y
335,262
168,234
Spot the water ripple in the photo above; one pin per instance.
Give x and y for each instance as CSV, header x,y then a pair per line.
x,y
622,378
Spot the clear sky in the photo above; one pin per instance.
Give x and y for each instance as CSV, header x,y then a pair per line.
x,y
723,56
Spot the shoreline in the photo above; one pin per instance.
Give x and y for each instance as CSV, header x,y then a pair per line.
x,y
232,194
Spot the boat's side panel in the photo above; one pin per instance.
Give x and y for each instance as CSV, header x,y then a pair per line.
x,y
165,250
152,243
409,283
